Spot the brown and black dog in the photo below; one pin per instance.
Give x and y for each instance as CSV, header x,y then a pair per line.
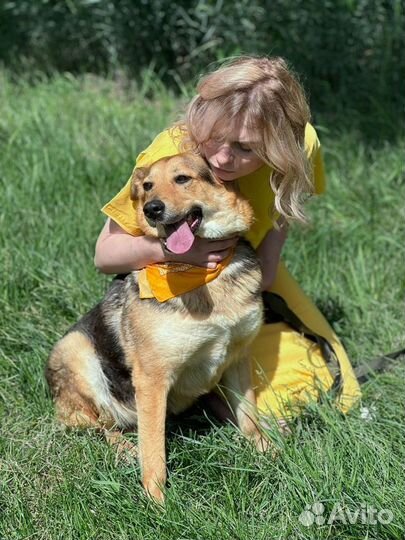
x,y
130,361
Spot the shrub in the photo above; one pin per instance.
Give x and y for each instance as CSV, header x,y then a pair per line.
x,y
348,52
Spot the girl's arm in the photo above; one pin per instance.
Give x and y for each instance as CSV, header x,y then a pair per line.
x,y
118,252
269,252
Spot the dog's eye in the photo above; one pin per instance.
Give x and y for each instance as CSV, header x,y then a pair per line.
x,y
182,179
147,186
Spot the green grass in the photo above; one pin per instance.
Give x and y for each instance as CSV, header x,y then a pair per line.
x,y
67,145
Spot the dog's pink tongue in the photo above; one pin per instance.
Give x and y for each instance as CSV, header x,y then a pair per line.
x,y
181,239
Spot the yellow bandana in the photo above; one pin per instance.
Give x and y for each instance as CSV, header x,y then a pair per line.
x,y
165,281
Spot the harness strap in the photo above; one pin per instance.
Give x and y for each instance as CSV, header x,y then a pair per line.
x,y
379,364
277,310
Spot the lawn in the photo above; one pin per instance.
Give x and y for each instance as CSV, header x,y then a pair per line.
x,y
69,144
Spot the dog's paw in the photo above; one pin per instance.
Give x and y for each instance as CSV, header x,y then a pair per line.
x,y
264,445
126,450
283,428
154,492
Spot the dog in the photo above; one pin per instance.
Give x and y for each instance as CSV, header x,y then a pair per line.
x,y
130,361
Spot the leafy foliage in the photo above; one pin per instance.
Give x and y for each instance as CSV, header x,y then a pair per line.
x,y
348,53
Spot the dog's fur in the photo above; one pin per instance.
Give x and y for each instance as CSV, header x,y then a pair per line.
x,y
128,362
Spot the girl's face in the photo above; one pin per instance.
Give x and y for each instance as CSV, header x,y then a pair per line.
x,y
233,157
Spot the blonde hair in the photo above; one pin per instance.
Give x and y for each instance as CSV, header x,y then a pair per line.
x,y
265,95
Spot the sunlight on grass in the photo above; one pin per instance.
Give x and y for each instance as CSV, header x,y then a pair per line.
x,y
67,145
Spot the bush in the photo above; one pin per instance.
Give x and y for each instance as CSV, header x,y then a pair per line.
x,y
348,52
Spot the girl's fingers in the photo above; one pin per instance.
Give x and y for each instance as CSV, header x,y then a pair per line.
x,y
217,256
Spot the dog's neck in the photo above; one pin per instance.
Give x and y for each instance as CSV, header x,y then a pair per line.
x,y
164,281
223,226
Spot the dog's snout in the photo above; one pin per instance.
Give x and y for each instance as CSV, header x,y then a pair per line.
x,y
154,209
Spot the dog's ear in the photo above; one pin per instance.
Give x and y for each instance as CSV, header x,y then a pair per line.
x,y
207,174
204,171
138,175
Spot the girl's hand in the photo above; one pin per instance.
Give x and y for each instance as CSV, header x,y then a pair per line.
x,y
204,252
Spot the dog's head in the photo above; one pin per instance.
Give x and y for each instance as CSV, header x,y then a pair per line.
x,y
180,198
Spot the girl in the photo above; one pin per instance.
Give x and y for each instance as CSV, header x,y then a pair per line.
x,y
250,121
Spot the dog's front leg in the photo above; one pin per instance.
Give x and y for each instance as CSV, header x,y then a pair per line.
x,y
151,402
239,392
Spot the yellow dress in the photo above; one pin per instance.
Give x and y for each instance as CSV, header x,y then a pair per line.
x,y
288,369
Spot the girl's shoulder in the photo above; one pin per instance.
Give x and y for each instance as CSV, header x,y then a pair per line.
x,y
312,144
315,155
121,208
164,145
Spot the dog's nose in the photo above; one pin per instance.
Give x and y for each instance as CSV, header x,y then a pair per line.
x,y
154,209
